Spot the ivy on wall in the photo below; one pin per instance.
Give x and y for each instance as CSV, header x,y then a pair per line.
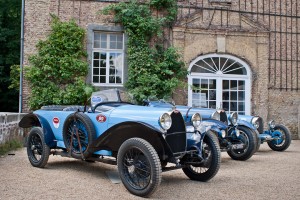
x,y
154,70
58,71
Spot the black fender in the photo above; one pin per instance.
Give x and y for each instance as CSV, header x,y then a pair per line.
x,y
34,120
114,137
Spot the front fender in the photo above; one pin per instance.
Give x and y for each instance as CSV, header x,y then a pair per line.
x,y
246,123
33,120
114,137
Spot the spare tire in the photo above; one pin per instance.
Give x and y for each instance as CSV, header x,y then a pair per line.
x,y
81,123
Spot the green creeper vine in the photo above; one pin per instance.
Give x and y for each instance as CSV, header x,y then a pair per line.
x,y
58,71
153,69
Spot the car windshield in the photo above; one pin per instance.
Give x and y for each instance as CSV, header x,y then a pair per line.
x,y
111,95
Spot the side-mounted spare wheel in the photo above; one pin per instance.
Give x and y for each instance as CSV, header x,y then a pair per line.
x,y
139,167
37,149
79,129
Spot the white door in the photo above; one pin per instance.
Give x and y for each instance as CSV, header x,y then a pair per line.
x,y
220,81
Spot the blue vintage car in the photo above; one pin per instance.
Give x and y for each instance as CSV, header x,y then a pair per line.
x,y
237,139
141,141
277,136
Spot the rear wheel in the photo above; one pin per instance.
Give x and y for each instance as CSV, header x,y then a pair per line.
x,y
282,137
243,146
139,167
209,167
81,124
37,150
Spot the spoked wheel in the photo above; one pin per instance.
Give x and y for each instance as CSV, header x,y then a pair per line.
x,y
80,124
243,146
139,167
37,150
209,167
282,137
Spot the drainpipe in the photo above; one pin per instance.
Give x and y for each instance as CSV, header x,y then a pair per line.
x,y
21,57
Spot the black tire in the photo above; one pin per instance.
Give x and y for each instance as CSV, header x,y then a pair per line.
x,y
86,132
212,159
247,138
139,167
37,150
283,141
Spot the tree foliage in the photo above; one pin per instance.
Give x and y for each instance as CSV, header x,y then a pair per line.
x,y
10,23
58,71
154,70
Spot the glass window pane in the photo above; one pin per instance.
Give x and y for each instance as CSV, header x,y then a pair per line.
x,y
233,106
225,105
212,84
103,37
225,85
204,84
102,71
233,85
113,45
96,63
241,106
212,104
103,44
233,96
225,95
242,96
212,95
96,55
96,44
102,79
103,56
241,85
96,71
96,36
103,63
95,79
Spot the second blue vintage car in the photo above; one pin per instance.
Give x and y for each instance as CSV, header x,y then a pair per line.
x,y
237,139
141,141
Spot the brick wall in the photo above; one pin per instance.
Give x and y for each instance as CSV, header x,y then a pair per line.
x,y
195,33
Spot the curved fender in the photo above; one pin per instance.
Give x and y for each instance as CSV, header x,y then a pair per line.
x,y
247,124
31,120
114,137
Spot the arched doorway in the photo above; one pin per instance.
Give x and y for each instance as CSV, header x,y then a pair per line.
x,y
220,81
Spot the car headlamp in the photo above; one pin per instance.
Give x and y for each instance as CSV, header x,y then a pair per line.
x,y
223,133
216,115
165,121
234,118
196,120
254,122
272,124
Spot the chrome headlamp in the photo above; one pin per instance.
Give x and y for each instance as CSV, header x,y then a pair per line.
x,y
165,121
233,118
216,115
196,120
271,124
254,122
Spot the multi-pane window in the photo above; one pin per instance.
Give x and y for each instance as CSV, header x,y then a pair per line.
x,y
220,81
108,58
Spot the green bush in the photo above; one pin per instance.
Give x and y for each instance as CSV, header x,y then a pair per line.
x,y
154,70
57,72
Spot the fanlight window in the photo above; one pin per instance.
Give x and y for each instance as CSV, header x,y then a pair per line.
x,y
218,65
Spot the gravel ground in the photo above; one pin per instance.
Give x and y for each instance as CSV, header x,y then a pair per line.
x,y
267,175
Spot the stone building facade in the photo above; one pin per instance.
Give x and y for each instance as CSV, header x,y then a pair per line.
x,y
242,55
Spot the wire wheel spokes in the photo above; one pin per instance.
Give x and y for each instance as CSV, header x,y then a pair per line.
x,y
36,147
205,165
74,128
136,168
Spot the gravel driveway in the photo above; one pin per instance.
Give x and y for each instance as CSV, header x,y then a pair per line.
x,y
267,175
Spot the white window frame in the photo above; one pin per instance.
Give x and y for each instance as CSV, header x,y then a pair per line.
x,y
219,78
108,51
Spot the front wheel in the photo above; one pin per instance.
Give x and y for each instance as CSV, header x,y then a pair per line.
x,y
209,166
139,167
37,150
243,146
282,139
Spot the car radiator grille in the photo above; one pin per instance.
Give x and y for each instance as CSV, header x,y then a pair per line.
x,y
176,135
261,125
223,117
